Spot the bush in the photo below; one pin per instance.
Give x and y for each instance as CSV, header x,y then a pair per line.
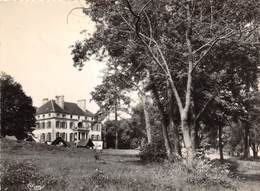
x,y
211,173
154,152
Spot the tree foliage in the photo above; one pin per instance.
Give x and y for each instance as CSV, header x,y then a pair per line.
x,y
198,53
17,112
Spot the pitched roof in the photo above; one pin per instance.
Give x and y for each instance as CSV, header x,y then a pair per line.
x,y
69,108
89,113
73,108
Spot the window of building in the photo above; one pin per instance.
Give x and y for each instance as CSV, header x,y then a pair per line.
x,y
57,134
58,114
63,124
75,136
57,124
49,115
43,125
80,125
63,115
92,137
49,124
71,125
71,116
43,137
97,137
71,137
49,137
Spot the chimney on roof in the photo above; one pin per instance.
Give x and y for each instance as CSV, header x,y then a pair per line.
x,y
60,101
44,100
82,104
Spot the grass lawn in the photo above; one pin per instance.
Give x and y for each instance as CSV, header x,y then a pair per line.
x,y
31,166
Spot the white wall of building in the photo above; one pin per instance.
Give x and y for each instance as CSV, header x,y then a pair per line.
x,y
86,132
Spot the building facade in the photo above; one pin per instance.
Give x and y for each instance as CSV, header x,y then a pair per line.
x,y
70,121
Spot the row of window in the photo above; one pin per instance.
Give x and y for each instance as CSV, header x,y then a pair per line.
x,y
72,137
63,125
64,115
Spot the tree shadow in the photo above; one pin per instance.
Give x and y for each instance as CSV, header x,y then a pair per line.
x,y
249,177
243,174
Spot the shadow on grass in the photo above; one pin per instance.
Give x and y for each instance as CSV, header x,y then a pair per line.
x,y
249,177
244,175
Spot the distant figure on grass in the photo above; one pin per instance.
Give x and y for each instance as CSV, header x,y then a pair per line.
x,y
90,144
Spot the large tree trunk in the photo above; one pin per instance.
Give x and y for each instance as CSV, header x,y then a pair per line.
x,y
116,142
164,122
195,136
176,138
187,140
196,143
166,141
116,116
246,141
147,118
254,148
220,144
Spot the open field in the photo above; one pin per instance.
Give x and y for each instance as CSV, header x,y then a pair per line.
x,y
73,169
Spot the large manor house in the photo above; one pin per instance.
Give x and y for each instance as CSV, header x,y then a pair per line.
x,y
70,121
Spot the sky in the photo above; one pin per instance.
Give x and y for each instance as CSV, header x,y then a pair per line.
x,y
34,49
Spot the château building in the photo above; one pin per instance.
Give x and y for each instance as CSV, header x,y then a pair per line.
x,y
70,121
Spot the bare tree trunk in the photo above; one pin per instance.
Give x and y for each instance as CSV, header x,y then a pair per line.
x,y
187,140
246,141
116,142
220,144
176,138
196,139
166,141
254,148
145,104
147,118
116,116
186,128
164,123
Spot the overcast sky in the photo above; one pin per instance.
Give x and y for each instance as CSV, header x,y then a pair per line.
x,y
34,49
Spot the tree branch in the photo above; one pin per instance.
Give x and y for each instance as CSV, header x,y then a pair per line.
x,y
207,51
83,8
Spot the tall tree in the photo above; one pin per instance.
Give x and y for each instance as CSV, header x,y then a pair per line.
x,y
17,112
174,37
109,96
